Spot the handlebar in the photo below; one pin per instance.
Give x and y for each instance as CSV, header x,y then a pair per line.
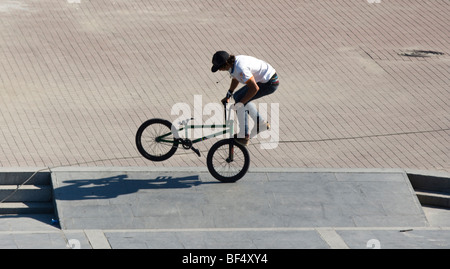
x,y
225,109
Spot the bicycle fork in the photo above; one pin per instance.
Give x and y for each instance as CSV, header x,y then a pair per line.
x,y
229,124
230,151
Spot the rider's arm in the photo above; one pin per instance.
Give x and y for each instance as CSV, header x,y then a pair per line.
x,y
252,90
234,84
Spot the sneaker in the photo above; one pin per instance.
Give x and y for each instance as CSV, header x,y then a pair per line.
x,y
265,127
260,127
243,141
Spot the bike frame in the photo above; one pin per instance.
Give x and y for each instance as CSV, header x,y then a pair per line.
x,y
228,128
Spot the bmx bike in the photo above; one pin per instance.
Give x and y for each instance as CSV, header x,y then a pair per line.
x,y
227,161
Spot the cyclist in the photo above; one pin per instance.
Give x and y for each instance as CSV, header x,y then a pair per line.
x,y
260,79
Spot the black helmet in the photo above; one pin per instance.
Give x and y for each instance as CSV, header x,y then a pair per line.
x,y
219,59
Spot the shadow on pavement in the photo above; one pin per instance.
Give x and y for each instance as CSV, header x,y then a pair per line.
x,y
111,187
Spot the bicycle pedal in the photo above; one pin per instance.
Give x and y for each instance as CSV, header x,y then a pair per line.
x,y
196,151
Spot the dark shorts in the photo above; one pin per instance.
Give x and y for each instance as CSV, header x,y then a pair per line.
x,y
264,89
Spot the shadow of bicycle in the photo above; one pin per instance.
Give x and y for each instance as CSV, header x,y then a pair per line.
x,y
114,186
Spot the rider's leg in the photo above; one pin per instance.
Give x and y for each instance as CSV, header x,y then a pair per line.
x,y
260,123
241,112
250,108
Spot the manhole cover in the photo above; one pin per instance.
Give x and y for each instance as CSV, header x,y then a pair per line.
x,y
421,53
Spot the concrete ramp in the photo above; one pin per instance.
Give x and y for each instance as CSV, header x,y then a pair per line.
x,y
138,199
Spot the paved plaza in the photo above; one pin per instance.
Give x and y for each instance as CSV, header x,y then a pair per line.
x,y
77,78
363,97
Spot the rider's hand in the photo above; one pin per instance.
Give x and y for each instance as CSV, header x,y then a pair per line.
x,y
227,98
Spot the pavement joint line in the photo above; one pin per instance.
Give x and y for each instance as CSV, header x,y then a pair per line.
x,y
201,169
97,239
275,229
332,238
205,169
31,232
194,169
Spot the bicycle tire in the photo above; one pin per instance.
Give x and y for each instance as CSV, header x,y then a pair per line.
x,y
215,171
161,127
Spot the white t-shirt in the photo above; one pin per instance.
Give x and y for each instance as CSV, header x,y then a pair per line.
x,y
247,67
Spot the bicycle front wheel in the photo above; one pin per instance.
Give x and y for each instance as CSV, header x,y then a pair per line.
x,y
228,161
155,141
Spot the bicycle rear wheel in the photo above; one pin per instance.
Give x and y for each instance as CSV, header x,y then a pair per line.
x,y
228,161
155,141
